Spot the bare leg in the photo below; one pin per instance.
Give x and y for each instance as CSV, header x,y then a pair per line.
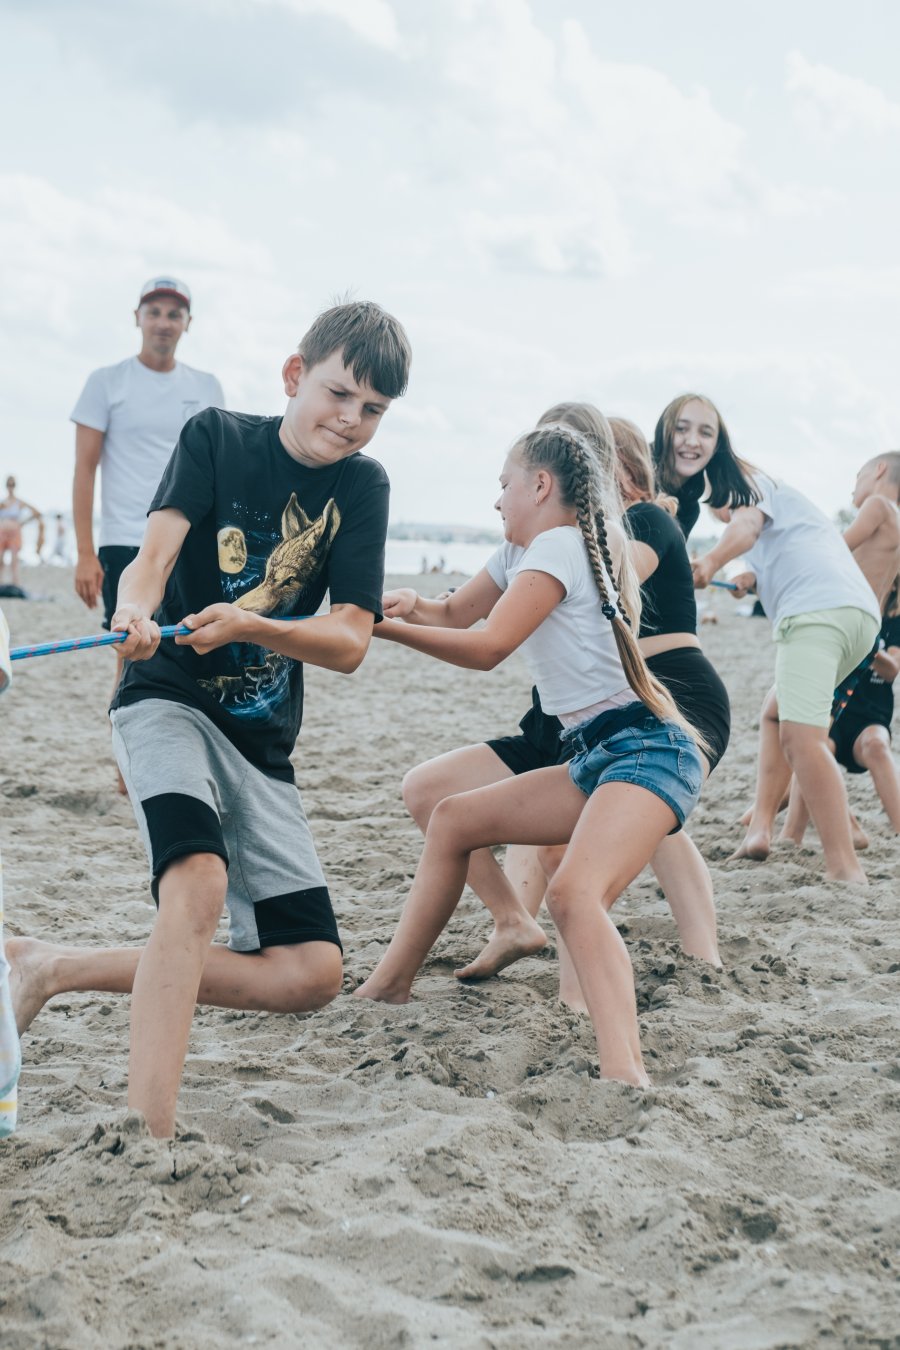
x,y
794,829
177,962
797,818
569,989
516,934
748,814
822,785
510,942
614,839
872,749
684,876
772,777
535,807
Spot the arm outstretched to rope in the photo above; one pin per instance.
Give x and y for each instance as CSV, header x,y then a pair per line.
x,y
515,616
143,583
744,528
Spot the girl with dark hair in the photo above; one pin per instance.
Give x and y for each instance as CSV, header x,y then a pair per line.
x,y
636,771
692,453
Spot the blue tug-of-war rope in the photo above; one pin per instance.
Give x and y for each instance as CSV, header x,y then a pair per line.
x,y
168,631
78,644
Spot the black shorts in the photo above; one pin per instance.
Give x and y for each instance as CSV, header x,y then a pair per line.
x,y
538,746
114,558
699,694
844,733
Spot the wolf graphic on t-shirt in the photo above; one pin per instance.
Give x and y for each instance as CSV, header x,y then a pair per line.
x,y
292,565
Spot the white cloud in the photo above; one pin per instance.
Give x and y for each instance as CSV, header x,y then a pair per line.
x,y
849,283
830,101
372,20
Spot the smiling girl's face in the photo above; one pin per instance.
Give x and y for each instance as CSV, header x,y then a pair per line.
x,y
694,438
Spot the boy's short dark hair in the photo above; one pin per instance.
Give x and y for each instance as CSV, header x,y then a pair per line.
x,y
373,343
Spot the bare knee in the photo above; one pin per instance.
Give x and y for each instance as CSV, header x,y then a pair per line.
x,y
315,978
872,748
420,792
798,739
564,900
194,886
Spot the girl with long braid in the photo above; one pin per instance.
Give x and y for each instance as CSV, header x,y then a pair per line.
x,y
636,770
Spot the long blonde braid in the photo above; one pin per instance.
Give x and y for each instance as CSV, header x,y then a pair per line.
x,y
569,456
597,431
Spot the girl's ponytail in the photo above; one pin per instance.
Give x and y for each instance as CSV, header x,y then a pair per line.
x,y
569,456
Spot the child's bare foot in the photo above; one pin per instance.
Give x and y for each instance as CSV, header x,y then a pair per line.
x,y
381,991
505,946
634,1074
29,983
854,875
757,847
858,834
573,999
746,817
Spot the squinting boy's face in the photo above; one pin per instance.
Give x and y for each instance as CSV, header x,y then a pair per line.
x,y
516,502
330,414
694,439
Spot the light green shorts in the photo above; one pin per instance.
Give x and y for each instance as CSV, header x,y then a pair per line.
x,y
815,651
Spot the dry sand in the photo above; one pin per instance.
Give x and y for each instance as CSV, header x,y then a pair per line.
x,y
451,1172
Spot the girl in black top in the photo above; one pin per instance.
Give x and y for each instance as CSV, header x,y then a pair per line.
x,y
692,453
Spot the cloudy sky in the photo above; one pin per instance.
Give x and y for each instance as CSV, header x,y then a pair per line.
x,y
559,198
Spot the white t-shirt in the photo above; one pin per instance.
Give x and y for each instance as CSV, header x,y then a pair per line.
x,y
800,560
141,413
572,656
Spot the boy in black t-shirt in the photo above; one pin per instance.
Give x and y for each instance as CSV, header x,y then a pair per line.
x,y
254,520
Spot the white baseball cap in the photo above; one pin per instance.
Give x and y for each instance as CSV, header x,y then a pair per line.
x,y
165,286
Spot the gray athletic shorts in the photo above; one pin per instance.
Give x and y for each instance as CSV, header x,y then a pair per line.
x,y
193,792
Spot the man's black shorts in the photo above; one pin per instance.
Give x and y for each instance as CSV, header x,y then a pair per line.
x,y
114,558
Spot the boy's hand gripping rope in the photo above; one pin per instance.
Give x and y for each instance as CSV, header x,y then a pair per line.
x,y
107,639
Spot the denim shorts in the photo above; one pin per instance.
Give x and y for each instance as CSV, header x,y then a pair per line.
x,y
631,745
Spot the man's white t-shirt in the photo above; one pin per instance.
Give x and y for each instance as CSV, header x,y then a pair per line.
x,y
572,656
800,559
141,413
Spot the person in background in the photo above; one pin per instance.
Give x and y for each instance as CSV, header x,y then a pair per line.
x,y
14,513
127,421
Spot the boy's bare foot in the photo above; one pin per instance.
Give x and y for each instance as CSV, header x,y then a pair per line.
x,y
757,847
504,946
29,985
381,993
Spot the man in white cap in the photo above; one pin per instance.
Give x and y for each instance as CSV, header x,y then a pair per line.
x,y
127,421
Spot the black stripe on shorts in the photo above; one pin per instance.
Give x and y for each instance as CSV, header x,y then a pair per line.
x,y
298,916
180,825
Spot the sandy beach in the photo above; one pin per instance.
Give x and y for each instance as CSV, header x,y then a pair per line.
x,y
451,1172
